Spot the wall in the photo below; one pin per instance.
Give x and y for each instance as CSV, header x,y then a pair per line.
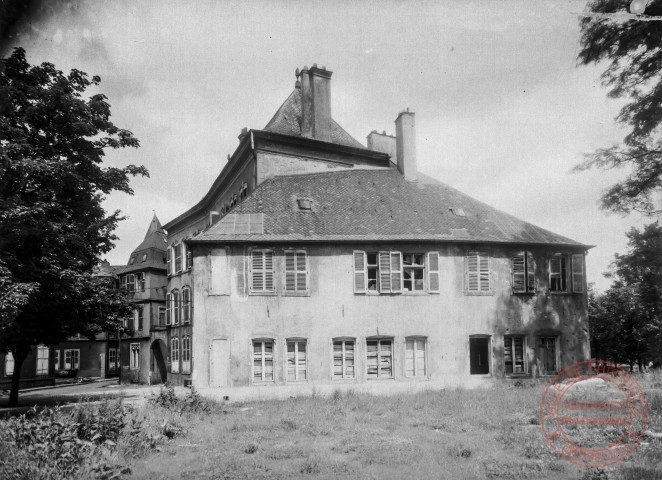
x,y
332,309
90,363
29,377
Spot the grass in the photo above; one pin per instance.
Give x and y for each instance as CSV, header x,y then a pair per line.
x,y
492,434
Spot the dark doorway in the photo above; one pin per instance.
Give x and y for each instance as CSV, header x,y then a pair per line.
x,y
158,364
479,351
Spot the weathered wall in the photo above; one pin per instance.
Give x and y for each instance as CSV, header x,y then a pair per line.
x,y
332,309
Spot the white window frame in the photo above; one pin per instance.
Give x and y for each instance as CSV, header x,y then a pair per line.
x,y
434,276
176,306
418,370
344,358
178,257
9,364
296,343
510,339
414,268
380,356
186,305
113,358
129,282
169,255
168,319
560,273
186,354
480,276
174,354
42,360
577,273
523,272
296,273
134,356
263,359
389,272
264,274
70,365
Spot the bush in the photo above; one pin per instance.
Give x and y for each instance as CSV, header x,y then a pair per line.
x,y
191,403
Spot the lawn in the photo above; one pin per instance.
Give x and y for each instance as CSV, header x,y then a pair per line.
x,y
491,433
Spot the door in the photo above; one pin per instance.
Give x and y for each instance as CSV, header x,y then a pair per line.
x,y
220,358
479,351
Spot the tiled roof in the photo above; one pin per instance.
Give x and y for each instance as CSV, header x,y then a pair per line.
x,y
153,248
375,205
287,121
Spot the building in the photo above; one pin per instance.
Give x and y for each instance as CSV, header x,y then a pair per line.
x,y
314,260
37,369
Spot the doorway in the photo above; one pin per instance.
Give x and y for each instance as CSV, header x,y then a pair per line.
x,y
479,355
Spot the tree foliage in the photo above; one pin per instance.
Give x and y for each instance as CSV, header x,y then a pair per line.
x,y
626,320
53,227
631,49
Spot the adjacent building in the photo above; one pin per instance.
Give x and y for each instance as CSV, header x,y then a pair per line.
x,y
315,260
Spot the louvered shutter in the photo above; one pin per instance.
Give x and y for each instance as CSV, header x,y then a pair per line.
x,y
519,272
385,272
472,272
433,272
290,271
168,308
257,271
484,265
169,260
577,273
268,271
359,271
302,271
396,272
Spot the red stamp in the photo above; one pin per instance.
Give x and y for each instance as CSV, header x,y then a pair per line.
x,y
594,413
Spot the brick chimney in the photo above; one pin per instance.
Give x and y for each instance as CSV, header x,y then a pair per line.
x,y
316,103
381,142
405,140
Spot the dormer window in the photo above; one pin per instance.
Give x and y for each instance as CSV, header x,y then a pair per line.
x,y
458,212
305,204
243,192
144,257
133,259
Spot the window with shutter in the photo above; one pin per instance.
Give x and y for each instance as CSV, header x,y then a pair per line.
x,y
168,318
178,257
174,355
478,273
558,274
359,272
577,273
433,272
176,307
186,354
385,272
262,271
524,280
514,348
186,305
296,272
169,260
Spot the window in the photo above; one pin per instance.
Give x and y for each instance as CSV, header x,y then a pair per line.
x,y
377,272
9,364
479,355
169,260
135,356
189,259
71,359
458,212
128,283
140,282
263,361
558,274
186,305
577,273
243,191
412,272
415,359
168,318
132,261
514,359
305,204
112,359
379,358
524,279
178,258
296,360
139,318
478,273
175,307
57,360
343,359
186,354
162,315
42,360
296,271
144,257
547,355
262,271
174,355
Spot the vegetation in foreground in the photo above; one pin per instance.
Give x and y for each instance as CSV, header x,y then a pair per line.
x,y
449,434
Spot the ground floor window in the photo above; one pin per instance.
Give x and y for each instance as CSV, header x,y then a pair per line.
x,y
379,358
186,354
547,355
42,360
112,359
71,359
9,364
513,354
479,355
296,360
174,355
343,359
263,361
134,359
415,357
57,360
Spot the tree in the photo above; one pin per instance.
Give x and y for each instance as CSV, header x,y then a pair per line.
x,y
53,227
632,49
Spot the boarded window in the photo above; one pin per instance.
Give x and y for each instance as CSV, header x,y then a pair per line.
x,y
379,359
343,359
524,280
547,355
415,358
558,274
296,271
296,360
433,272
577,273
513,354
262,271
263,361
478,273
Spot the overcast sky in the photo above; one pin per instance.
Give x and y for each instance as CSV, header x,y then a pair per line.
x,y
502,111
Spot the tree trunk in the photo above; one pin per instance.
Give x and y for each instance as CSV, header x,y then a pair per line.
x,y
19,358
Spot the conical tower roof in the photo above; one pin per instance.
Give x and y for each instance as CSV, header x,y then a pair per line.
x,y
151,253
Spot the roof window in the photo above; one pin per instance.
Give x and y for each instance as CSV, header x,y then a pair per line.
x,y
305,204
144,257
133,259
458,212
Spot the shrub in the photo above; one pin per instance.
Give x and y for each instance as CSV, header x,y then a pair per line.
x,y
191,403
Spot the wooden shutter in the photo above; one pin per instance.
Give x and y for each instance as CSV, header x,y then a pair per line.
x,y
169,260
302,270
290,271
433,272
360,274
484,266
577,273
385,272
262,279
519,272
168,308
472,272
268,271
530,272
396,271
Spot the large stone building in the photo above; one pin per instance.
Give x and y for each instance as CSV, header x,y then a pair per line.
x,y
315,261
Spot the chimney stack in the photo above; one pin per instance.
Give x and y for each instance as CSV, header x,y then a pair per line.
x,y
381,142
405,139
316,103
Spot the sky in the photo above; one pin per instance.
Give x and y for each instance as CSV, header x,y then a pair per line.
x,y
503,111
